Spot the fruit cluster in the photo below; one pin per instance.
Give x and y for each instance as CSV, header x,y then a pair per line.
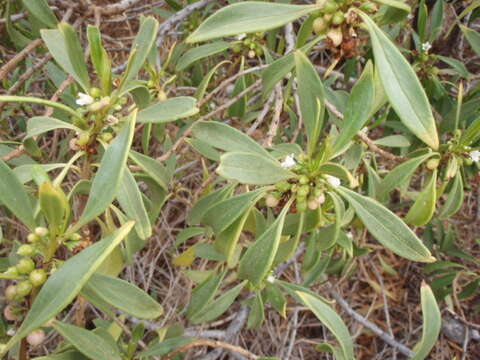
x,y
337,21
251,45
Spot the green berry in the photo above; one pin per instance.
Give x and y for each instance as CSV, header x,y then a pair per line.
x,y
303,190
338,18
41,231
319,25
330,6
95,92
432,164
31,238
24,288
106,136
25,266
75,237
10,292
303,179
12,270
283,186
38,277
26,250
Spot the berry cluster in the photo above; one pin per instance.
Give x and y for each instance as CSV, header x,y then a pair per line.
x,y
251,45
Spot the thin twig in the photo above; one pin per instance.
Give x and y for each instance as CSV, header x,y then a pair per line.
x,y
5,69
214,344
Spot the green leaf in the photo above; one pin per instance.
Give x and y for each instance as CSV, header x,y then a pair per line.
x,y
203,294
386,227
358,108
227,138
130,199
473,38
400,174
54,205
331,320
217,307
75,54
201,206
222,214
123,295
109,176
165,346
432,323
67,355
87,342
248,17
169,110
402,86
202,88
258,259
455,198
256,315
14,196
152,168
141,47
64,284
393,141
471,134
43,102
201,52
100,59
422,210
400,5
250,168
41,124
226,241
41,11
312,98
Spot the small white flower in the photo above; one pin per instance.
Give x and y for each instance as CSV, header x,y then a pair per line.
x,y
350,235
271,279
332,180
364,130
289,161
84,99
475,155
11,332
426,46
241,36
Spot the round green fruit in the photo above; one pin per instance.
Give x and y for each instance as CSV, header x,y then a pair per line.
x,y
38,277
24,288
26,250
25,266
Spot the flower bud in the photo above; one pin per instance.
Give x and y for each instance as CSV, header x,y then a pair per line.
x,y
9,313
312,204
162,96
319,25
432,164
32,238
303,179
330,6
24,288
303,190
271,201
36,337
26,250
25,266
41,231
95,92
336,36
338,18
37,277
251,54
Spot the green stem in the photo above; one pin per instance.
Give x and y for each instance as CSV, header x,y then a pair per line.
x,y
33,100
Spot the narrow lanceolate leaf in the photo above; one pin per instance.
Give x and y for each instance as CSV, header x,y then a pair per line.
x,y
14,196
455,198
41,124
169,110
224,213
227,138
152,168
473,38
400,174
130,199
423,208
123,296
203,294
331,320
41,11
386,227
88,343
312,98
402,86
258,259
57,46
358,109
140,49
432,323
201,206
108,177
217,307
201,52
249,168
248,17
64,285
100,59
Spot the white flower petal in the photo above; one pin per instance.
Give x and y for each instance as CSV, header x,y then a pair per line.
x,y
332,180
475,155
289,161
426,46
84,99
